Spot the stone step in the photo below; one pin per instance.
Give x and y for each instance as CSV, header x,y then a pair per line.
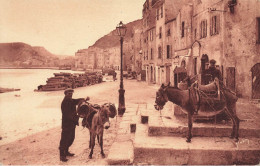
x,y
165,150
163,125
121,151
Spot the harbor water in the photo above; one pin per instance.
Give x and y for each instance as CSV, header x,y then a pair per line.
x,y
26,111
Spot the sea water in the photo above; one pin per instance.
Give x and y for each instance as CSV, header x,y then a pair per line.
x,y
26,112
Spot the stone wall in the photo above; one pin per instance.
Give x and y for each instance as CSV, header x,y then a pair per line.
x,y
242,50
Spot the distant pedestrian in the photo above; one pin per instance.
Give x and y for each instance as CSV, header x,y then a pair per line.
x,y
69,121
213,72
114,76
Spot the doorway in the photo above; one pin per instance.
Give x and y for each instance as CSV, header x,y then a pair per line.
x,y
168,74
231,79
256,81
204,66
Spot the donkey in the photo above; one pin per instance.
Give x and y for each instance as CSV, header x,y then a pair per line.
x,y
184,99
96,119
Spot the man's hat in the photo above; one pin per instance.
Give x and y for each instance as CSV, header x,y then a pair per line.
x,y
68,90
212,61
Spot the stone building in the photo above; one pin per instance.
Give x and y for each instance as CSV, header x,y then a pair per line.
x,y
225,30
136,60
81,59
105,53
228,31
159,41
148,41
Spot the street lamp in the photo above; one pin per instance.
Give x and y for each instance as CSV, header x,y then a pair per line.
x,y
121,31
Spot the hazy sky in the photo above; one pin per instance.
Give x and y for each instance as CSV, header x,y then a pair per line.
x,y
63,26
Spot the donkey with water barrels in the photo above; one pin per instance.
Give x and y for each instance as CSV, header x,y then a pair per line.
x,y
190,101
96,119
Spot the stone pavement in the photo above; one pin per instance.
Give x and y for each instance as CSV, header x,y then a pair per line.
x,y
161,140
121,151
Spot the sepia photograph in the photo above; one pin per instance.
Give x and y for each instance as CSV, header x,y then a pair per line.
x,y
129,82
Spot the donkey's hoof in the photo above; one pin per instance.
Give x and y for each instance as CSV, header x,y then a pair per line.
x,y
188,140
90,156
232,136
236,139
103,155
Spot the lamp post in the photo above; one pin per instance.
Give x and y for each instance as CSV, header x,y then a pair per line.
x,y
121,31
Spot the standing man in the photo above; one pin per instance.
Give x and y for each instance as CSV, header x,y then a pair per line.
x,y
114,75
69,121
213,71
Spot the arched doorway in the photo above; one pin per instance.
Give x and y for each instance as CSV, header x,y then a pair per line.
x,y
256,81
195,48
183,64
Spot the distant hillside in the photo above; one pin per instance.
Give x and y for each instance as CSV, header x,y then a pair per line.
x,y
112,40
21,54
43,51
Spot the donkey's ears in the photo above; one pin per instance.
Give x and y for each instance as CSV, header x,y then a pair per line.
x,y
169,84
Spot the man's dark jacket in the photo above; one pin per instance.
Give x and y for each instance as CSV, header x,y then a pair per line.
x,y
214,72
69,115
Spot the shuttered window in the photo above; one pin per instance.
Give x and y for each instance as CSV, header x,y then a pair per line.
x,y
214,25
157,14
151,54
203,29
169,51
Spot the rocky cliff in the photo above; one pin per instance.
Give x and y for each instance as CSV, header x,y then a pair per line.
x,y
112,40
22,55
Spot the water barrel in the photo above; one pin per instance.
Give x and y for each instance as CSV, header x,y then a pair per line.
x,y
83,108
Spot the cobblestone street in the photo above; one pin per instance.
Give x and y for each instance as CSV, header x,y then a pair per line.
x,y
119,142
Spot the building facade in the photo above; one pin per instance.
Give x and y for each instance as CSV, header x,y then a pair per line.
x,y
225,30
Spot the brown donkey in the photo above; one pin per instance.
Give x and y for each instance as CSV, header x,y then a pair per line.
x,y
96,119
184,99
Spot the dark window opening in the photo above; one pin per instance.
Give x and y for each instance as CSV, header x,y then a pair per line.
x,y
160,32
151,54
182,29
159,52
169,32
195,34
168,51
157,14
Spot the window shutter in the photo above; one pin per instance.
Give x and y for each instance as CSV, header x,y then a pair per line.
x,y
201,29
211,25
218,24
171,51
206,29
